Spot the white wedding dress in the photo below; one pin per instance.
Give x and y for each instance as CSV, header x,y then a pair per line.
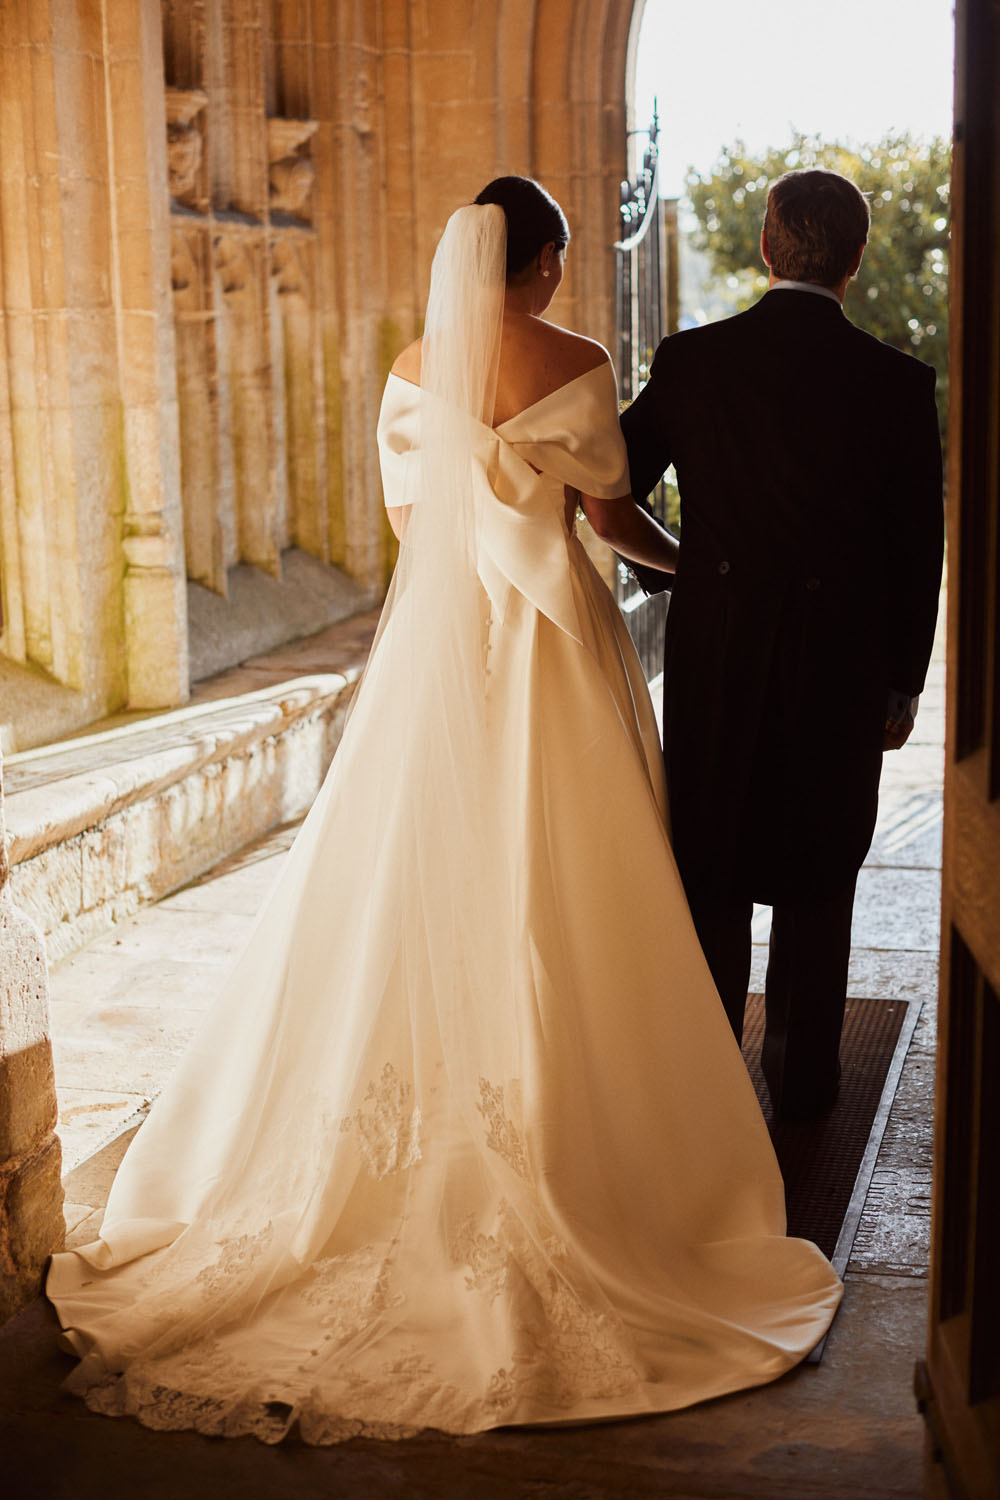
x,y
466,1140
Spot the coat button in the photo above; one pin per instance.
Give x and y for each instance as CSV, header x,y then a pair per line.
x,y
812,583
723,567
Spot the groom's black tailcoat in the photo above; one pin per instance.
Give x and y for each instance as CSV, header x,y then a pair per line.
x,y
809,467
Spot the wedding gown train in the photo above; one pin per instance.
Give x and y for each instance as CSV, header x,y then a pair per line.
x,y
466,1140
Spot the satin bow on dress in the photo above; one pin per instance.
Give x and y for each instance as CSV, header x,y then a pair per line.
x,y
520,468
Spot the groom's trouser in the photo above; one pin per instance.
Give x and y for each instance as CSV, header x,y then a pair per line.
x,y
805,989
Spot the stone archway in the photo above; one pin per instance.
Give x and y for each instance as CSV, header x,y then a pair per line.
x,y
581,114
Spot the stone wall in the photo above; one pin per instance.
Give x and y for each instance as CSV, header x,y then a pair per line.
x,y
93,576
217,219
31,1222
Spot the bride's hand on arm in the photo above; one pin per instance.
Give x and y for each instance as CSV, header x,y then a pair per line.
x,y
632,531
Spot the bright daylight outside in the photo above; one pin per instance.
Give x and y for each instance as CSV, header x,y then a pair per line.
x,y
865,89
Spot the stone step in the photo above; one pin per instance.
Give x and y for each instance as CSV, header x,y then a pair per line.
x,y
100,824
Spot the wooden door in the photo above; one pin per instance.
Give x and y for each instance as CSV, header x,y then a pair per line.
x,y
960,1383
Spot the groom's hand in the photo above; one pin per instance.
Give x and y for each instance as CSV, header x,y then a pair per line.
x,y
897,732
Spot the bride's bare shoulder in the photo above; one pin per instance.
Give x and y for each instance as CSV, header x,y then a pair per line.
x,y
580,354
573,353
537,358
407,364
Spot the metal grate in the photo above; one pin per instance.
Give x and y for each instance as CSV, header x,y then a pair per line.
x,y
821,1161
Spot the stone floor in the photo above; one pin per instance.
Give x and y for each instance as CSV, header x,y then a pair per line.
x,y
122,1011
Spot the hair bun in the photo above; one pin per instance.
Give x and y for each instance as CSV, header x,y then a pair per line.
x,y
534,219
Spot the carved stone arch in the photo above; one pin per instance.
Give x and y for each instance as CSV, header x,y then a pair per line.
x,y
579,112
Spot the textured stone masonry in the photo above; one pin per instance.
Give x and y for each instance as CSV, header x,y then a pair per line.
x,y
218,222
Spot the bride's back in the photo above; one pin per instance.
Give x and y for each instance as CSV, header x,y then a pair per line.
x,y
536,358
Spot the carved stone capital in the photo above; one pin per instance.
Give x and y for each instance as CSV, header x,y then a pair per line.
x,y
291,181
183,140
183,159
290,175
184,104
284,137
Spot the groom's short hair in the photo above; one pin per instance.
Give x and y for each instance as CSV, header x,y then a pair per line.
x,y
815,222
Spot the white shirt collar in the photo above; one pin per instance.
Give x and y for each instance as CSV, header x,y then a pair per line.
x,y
804,286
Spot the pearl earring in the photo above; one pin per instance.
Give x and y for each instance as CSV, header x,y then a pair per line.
x,y
545,273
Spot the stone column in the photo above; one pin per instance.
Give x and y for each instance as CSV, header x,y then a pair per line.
x,y
240,192
92,544
31,1221
205,459
350,279
155,598
298,357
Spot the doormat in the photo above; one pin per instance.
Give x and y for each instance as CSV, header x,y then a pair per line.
x,y
828,1163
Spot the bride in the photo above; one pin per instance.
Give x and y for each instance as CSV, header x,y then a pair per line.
x,y
466,1140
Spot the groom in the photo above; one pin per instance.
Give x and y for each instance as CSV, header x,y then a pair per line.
x,y
802,616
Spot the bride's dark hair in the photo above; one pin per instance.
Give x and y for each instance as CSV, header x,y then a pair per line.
x,y
534,219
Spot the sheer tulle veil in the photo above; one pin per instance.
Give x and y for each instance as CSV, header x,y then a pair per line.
x,y
431,653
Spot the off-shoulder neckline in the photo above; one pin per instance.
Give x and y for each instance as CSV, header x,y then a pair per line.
x,y
524,409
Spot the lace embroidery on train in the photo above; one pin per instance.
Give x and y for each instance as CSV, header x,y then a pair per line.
x,y
236,1257
571,1345
350,1291
192,1253
486,1258
200,1390
503,1136
211,1270
354,1373
388,1133
207,1387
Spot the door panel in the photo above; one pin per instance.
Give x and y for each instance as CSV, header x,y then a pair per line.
x,y
960,1383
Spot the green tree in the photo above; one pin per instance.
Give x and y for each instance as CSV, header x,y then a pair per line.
x,y
901,291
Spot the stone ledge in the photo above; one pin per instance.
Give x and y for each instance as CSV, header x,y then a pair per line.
x,y
58,791
101,824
